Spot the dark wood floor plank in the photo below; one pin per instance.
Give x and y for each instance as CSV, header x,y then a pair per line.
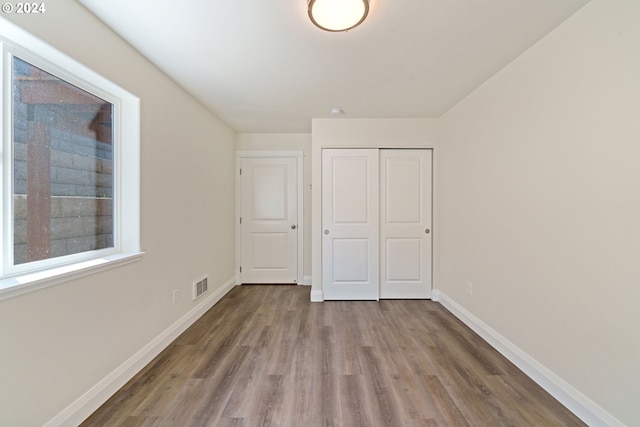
x,y
296,402
354,404
264,355
268,399
376,379
448,413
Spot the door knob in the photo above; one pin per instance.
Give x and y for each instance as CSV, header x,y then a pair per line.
x,y
293,227
427,231
326,231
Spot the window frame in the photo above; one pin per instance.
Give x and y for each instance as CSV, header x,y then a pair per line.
x,y
22,278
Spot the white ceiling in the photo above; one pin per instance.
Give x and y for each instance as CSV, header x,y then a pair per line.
x,y
262,66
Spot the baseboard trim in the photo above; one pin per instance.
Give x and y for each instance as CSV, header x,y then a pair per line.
x,y
86,404
583,407
317,296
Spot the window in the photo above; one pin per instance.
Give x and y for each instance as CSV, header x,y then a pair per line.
x,y
70,167
62,167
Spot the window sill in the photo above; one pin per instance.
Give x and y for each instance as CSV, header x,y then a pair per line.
x,y
18,285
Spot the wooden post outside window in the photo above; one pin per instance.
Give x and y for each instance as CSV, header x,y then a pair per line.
x,y
38,184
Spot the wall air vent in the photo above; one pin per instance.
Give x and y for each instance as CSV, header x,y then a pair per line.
x,y
200,287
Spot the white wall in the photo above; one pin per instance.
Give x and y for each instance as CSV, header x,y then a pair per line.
x,y
287,142
539,204
57,343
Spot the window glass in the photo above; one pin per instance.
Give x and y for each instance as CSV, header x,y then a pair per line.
x,y
62,167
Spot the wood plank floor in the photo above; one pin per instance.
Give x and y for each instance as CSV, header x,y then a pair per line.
x,y
265,355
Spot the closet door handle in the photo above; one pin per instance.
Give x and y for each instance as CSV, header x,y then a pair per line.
x,y
326,231
293,227
427,231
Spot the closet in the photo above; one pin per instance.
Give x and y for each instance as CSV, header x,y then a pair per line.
x,y
376,223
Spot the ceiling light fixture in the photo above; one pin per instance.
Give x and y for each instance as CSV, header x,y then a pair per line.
x,y
337,15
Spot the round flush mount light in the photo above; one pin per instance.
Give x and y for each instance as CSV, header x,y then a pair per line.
x,y
338,15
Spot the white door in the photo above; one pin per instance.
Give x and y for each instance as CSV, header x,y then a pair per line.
x,y
405,223
350,207
268,220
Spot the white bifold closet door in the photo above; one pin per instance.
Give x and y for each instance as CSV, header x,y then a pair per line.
x,y
376,223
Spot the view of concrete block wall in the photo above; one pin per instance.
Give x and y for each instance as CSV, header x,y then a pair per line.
x,y
81,192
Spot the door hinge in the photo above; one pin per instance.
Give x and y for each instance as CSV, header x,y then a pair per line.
x,y
240,269
240,220
240,171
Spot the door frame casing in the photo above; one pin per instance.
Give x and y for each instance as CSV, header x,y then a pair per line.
x,y
299,156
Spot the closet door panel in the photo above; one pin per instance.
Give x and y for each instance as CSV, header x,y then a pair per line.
x,y
403,259
350,221
405,223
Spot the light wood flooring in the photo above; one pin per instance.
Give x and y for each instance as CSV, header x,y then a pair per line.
x,y
264,355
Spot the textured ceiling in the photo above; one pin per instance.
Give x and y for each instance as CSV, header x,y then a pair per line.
x,y
262,66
